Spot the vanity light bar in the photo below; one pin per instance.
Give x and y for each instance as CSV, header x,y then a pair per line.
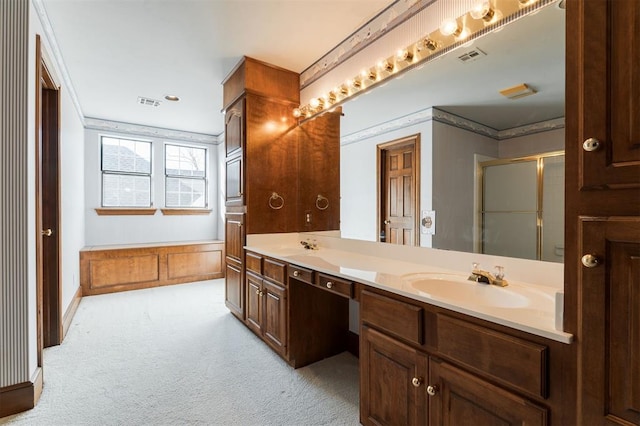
x,y
491,15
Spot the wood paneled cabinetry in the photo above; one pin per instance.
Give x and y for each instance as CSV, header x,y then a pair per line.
x,y
602,266
267,301
234,265
280,176
420,364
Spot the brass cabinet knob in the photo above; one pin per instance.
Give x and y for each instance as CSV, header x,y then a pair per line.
x,y
329,284
591,144
432,390
590,261
416,381
296,273
47,232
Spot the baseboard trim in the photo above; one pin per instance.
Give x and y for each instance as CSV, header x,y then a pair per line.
x,y
22,396
353,344
71,312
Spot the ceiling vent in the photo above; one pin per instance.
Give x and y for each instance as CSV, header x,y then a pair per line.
x,y
471,55
148,101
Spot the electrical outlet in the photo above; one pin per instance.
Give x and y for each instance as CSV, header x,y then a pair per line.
x,y
307,217
428,222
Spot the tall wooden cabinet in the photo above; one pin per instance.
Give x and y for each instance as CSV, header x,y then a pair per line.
x,y
280,176
602,266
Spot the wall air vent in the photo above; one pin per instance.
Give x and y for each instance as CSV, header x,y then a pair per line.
x,y
471,55
148,101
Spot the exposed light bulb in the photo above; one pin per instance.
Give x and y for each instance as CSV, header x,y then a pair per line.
x,y
297,112
450,27
482,10
314,103
430,44
404,55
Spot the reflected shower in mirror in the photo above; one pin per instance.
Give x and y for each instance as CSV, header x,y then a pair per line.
x,y
454,107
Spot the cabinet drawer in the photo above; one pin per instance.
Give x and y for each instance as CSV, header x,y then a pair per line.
x,y
335,285
514,361
253,262
274,270
401,319
301,274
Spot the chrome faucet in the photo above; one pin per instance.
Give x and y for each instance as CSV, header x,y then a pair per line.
x,y
484,277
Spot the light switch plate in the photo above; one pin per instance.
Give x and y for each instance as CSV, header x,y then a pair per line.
x,y
428,222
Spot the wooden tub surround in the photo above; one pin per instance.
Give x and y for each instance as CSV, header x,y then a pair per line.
x,y
109,269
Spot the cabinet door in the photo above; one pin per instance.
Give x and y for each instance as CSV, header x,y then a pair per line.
x,y
461,398
234,182
234,236
610,370
608,83
392,390
275,316
254,302
234,290
234,128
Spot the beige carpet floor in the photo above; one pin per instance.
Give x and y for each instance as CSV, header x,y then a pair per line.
x,y
175,355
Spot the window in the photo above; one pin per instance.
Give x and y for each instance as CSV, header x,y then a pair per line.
x,y
126,173
185,176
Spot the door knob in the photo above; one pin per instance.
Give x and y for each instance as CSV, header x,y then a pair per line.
x,y
432,390
591,144
47,232
590,261
387,222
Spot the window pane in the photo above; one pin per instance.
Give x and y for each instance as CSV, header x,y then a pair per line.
x,y
185,192
126,190
185,161
123,155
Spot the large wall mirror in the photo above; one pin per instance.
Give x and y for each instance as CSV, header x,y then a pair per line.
x,y
491,169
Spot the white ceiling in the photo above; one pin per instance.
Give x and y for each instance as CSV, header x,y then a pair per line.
x,y
117,50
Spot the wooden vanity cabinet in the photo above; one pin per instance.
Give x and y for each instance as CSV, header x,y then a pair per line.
x,y
420,364
267,301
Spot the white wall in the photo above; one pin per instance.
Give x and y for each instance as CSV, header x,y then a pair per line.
x,y
454,172
222,187
358,180
105,230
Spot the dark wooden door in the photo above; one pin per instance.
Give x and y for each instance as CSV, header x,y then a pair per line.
x,y
392,375
611,289
48,242
275,315
463,399
254,302
399,192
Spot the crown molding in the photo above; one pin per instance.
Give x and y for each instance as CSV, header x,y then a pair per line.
x,y
441,116
51,40
149,131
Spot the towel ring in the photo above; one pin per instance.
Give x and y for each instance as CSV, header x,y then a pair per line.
x,y
322,203
279,201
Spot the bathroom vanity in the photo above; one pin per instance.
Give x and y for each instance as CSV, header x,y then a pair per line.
x,y
426,354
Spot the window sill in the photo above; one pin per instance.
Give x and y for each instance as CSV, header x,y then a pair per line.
x,y
117,211
185,212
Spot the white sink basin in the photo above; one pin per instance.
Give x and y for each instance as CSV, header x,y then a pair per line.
x,y
458,289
